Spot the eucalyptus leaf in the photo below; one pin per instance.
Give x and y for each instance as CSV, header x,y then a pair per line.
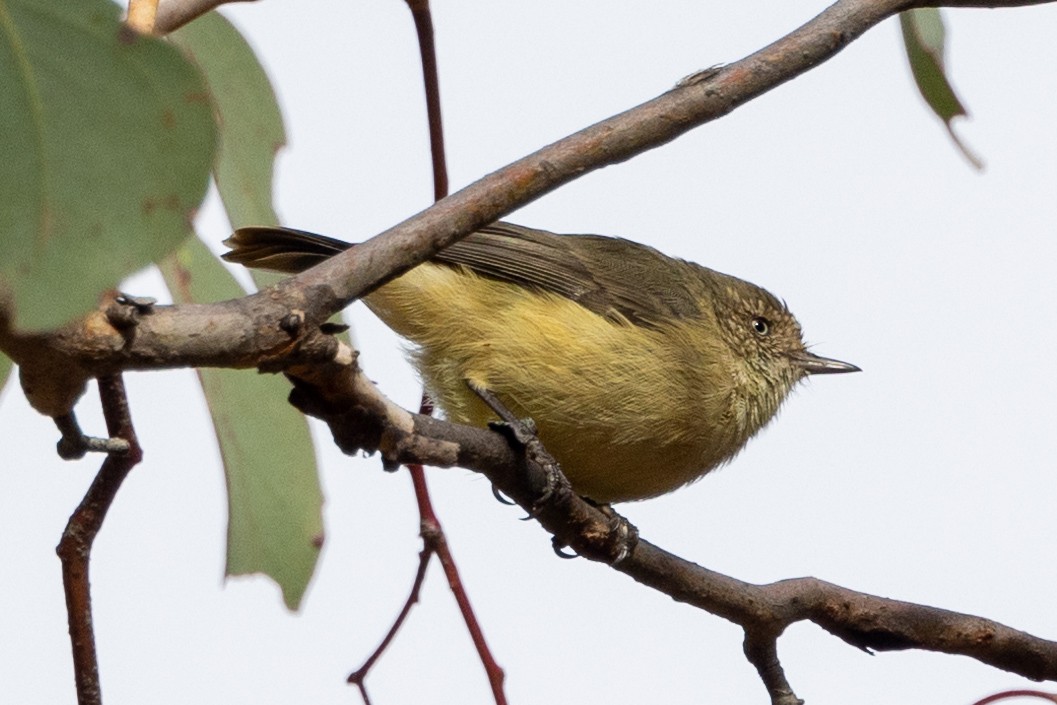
x,y
275,523
924,37
251,125
249,121
106,142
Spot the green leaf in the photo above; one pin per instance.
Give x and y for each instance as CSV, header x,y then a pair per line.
x,y
275,523
251,125
250,134
925,39
249,121
106,141
5,370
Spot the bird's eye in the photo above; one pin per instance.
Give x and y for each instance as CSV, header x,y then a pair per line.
x,y
761,325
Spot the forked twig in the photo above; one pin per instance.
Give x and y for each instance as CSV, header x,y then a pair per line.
x,y
433,539
359,676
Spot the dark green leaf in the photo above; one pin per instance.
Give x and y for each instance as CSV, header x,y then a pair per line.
x,y
925,38
275,523
106,141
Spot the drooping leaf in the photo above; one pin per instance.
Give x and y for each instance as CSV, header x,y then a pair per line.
x,y
924,37
250,132
106,141
251,126
275,523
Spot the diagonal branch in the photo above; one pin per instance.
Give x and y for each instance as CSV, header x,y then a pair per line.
x,y
695,101
361,418
246,333
255,332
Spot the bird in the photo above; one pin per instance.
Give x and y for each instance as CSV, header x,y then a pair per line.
x,y
642,372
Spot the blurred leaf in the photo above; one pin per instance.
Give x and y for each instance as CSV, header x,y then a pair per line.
x,y
251,126
249,121
250,133
275,523
106,141
925,39
5,370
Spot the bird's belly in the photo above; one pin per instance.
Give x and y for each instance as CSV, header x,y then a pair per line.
x,y
610,403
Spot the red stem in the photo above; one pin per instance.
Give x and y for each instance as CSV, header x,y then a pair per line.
x,y
430,529
75,547
434,540
1006,694
360,674
424,28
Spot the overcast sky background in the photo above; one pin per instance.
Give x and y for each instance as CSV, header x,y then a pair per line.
x,y
928,477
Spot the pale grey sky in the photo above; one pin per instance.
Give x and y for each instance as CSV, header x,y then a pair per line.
x,y
928,477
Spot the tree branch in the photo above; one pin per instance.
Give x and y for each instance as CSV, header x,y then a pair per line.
x,y
245,332
361,418
260,331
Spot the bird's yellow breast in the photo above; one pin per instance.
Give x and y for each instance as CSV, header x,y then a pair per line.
x,y
625,409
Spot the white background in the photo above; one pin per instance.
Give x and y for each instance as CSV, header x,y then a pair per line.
x,y
928,477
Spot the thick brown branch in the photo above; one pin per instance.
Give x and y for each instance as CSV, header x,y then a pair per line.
x,y
865,621
360,417
244,333
55,366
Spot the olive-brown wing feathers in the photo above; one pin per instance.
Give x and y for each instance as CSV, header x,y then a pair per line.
x,y
616,278
612,277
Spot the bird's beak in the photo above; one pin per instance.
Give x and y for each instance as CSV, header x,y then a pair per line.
x,y
814,365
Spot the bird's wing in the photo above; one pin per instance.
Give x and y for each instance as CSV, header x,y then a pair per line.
x,y
615,278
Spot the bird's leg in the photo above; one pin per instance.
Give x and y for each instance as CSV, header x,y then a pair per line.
x,y
522,433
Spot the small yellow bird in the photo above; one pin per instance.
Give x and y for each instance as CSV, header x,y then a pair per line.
x,y
642,372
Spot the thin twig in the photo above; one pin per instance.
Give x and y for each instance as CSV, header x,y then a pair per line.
x,y
433,538
432,532
358,676
762,652
1009,694
142,15
427,50
173,14
75,547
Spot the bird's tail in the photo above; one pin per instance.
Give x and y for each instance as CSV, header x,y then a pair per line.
x,y
281,249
